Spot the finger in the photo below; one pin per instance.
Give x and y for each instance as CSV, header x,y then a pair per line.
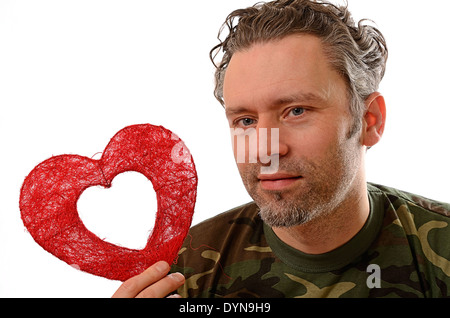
x,y
133,286
163,287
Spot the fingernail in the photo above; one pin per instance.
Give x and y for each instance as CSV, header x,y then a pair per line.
x,y
178,277
162,266
174,296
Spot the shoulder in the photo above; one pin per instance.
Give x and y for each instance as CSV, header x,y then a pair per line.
x,y
415,214
223,222
240,226
216,249
425,224
413,202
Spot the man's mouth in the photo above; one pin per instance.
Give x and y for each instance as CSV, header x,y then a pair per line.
x,y
277,181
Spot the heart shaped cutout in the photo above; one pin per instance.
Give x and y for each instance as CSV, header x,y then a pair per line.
x,y
49,195
123,214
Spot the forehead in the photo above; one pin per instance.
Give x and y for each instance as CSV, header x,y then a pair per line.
x,y
294,65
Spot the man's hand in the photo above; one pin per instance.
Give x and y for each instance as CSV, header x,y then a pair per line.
x,y
152,283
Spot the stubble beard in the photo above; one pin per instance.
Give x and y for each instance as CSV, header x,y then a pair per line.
x,y
322,188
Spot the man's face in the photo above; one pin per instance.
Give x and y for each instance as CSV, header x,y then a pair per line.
x,y
289,85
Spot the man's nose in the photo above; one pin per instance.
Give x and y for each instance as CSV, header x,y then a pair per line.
x,y
270,148
270,142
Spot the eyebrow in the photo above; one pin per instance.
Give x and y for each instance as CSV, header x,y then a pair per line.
x,y
230,112
298,97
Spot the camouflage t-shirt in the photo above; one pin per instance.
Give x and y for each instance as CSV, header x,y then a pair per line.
x,y
403,250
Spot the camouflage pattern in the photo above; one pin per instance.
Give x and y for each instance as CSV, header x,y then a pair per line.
x,y
402,251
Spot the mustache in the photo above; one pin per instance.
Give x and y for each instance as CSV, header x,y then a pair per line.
x,y
298,167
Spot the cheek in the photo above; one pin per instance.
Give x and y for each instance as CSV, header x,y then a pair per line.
x,y
245,147
319,140
314,143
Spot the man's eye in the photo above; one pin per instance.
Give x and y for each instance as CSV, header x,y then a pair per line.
x,y
297,111
247,121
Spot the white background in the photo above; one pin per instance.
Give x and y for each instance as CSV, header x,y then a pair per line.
x,y
73,73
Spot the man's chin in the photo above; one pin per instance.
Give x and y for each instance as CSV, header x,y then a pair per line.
x,y
285,218
276,211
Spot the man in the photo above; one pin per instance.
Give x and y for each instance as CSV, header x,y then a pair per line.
x,y
305,72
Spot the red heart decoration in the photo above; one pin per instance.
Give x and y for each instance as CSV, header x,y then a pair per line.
x,y
49,195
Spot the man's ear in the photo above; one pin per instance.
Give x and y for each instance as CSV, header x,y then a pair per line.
x,y
374,119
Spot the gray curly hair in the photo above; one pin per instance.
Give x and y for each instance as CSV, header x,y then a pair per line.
x,y
357,51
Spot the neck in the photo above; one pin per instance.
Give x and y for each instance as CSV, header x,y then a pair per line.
x,y
330,230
